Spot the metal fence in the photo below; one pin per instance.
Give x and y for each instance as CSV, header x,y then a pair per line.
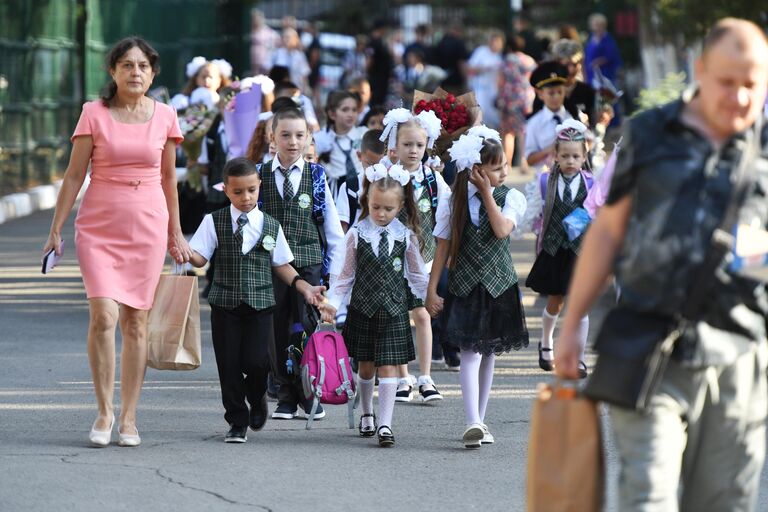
x,y
51,61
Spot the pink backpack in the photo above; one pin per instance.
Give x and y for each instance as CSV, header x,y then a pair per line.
x,y
326,373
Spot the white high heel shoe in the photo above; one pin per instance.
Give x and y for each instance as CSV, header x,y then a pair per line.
x,y
128,439
101,438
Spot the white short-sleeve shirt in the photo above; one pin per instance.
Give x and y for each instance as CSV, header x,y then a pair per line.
x,y
513,209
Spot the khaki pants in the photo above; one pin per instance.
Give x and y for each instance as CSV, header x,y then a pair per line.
x,y
700,446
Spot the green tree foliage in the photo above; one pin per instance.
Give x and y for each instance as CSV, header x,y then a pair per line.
x,y
669,89
692,18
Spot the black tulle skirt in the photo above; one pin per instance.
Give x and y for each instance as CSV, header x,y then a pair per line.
x,y
480,323
551,275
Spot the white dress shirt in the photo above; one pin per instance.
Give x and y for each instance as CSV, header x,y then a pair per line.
x,y
513,209
205,241
334,235
575,183
540,133
344,268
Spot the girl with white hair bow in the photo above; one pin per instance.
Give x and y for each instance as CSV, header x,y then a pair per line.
x,y
381,263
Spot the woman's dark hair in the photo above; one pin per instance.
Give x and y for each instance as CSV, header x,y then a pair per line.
x,y
492,153
514,43
117,52
238,167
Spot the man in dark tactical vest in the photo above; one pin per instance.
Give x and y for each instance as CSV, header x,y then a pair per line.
x,y
685,170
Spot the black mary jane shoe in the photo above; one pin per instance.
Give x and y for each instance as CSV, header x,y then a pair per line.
x,y
545,364
386,438
367,431
582,370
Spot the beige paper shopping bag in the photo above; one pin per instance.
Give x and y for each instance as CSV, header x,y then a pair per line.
x,y
565,460
173,331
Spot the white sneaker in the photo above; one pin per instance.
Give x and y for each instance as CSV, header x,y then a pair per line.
x,y
487,436
473,436
404,390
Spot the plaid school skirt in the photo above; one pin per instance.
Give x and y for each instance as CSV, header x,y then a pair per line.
x,y
384,339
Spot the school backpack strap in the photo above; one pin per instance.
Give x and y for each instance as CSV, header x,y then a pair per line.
x,y
543,177
318,211
431,183
353,197
260,200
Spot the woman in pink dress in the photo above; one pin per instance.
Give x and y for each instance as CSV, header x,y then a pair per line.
x,y
127,218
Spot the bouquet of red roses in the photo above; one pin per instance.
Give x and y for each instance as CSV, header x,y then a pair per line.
x,y
457,114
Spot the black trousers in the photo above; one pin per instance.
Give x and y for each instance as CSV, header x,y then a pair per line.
x,y
243,338
291,321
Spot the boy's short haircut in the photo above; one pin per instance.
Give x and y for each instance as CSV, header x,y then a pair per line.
x,y
285,86
238,167
376,110
279,73
371,142
287,110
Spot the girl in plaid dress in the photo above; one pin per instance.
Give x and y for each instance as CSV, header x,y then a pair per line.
x,y
483,313
563,190
411,136
381,264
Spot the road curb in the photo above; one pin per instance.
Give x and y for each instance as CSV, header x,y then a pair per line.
x,y
43,197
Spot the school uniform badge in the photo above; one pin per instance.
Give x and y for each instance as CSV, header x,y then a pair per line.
x,y
268,243
304,201
397,264
424,205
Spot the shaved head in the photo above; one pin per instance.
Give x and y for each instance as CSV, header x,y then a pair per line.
x,y
732,74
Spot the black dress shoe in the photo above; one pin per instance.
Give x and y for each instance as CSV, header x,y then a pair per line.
x,y
367,431
545,364
236,435
386,438
582,370
258,415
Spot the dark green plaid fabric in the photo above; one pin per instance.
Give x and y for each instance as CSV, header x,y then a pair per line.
x,y
483,258
555,236
379,283
383,339
241,278
298,225
426,221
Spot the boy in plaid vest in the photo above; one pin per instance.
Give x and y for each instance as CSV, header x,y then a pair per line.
x,y
250,245
289,194
483,313
563,190
380,265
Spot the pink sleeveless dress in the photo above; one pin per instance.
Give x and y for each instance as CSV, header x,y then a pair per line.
x,y
121,229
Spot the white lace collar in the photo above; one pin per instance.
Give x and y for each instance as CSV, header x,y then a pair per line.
x,y
370,231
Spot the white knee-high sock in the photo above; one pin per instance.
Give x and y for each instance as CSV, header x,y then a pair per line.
x,y
486,379
365,387
548,323
387,391
470,384
583,333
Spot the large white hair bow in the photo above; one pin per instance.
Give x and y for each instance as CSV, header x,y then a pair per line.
x,y
485,132
391,121
266,83
572,124
225,68
194,66
466,151
432,124
378,172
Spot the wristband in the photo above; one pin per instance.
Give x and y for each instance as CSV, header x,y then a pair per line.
x,y
297,277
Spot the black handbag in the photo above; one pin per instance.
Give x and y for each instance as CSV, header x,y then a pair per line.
x,y
634,347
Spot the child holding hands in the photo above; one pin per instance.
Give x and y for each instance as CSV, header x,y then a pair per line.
x,y
380,265
483,312
250,246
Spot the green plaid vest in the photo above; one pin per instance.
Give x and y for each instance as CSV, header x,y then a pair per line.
x,y
555,236
483,258
241,278
426,220
379,285
295,216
